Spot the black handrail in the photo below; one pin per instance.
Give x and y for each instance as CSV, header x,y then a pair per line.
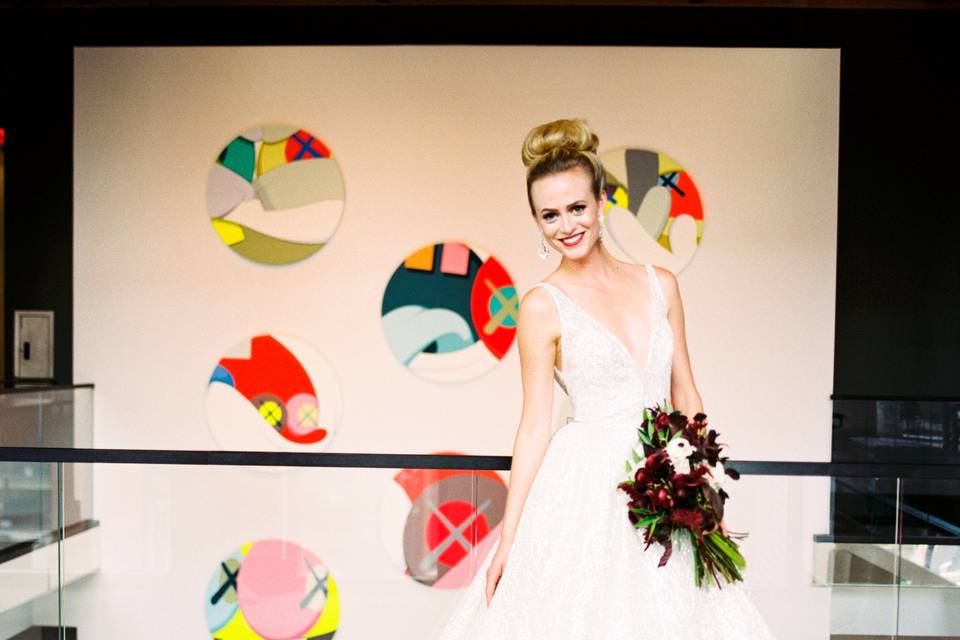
x,y
430,461
37,386
871,398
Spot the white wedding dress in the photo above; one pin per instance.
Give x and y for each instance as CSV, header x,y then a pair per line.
x,y
577,568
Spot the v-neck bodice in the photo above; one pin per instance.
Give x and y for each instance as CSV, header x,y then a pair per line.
x,y
600,373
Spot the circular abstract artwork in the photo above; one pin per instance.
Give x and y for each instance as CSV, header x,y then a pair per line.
x,y
273,392
450,312
439,524
275,194
653,213
274,590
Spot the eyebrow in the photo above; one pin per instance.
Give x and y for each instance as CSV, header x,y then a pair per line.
x,y
572,204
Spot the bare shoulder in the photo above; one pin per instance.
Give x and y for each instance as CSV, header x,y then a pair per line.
x,y
537,305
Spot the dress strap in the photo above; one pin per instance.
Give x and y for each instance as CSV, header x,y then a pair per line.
x,y
554,293
546,285
655,288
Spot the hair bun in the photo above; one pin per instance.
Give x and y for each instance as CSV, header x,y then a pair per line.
x,y
567,137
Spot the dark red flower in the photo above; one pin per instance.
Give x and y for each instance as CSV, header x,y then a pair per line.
x,y
663,498
658,465
710,448
678,422
689,480
641,476
692,519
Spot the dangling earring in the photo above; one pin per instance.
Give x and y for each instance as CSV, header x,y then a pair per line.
x,y
603,227
543,250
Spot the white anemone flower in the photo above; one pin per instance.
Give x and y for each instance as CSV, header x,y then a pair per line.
x,y
717,476
679,450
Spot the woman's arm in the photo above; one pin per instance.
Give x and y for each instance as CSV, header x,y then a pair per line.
x,y
538,327
683,391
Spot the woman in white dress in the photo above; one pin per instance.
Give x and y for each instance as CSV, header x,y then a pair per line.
x,y
568,563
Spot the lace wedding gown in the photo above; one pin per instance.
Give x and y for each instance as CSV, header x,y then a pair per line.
x,y
577,568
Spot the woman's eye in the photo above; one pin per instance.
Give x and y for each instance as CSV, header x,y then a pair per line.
x,y
580,207
548,216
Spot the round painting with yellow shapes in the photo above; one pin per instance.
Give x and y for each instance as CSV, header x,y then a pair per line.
x,y
654,213
275,194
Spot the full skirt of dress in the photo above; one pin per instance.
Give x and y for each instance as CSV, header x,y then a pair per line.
x,y
578,569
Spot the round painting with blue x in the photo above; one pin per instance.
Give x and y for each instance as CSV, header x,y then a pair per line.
x,y
275,194
272,589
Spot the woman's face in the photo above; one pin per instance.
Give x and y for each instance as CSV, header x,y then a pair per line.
x,y
567,211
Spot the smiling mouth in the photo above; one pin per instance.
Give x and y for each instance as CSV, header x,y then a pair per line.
x,y
570,241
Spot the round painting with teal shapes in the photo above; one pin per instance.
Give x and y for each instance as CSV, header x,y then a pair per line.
x,y
450,312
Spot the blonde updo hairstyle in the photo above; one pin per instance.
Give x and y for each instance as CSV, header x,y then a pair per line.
x,y
557,146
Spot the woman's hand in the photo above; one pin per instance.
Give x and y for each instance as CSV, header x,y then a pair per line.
x,y
723,530
494,571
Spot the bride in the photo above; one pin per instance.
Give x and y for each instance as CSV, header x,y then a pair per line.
x,y
568,563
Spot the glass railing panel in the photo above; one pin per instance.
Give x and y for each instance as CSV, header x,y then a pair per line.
x,y
28,503
66,417
45,513
363,552
20,424
29,575
46,417
856,557
794,563
929,595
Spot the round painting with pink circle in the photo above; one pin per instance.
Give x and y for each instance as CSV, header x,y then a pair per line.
x,y
272,589
275,194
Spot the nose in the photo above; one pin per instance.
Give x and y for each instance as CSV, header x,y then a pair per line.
x,y
568,224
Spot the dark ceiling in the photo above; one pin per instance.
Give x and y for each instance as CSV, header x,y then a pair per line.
x,y
768,4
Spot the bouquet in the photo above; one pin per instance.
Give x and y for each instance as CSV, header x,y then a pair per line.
x,y
676,485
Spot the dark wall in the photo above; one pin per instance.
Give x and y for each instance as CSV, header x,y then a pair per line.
x,y
898,268
37,112
898,297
